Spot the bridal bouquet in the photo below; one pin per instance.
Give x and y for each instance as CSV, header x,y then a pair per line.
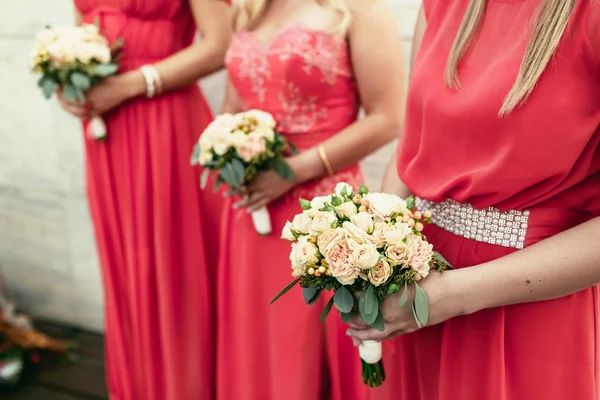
x,y
237,147
363,243
74,58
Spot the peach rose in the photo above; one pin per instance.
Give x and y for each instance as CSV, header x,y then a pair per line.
x,y
380,273
397,254
420,254
341,263
254,146
365,256
378,235
304,253
328,239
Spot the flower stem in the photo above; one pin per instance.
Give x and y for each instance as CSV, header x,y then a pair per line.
x,y
373,374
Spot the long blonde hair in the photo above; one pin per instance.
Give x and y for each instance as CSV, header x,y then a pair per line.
x,y
247,13
548,27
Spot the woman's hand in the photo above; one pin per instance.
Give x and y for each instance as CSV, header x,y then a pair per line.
x,y
75,107
113,91
264,188
443,305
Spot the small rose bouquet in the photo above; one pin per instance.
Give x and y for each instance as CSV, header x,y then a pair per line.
x,y
75,58
359,242
237,147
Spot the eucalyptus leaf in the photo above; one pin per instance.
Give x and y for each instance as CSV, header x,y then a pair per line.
x,y
371,299
326,310
238,171
104,70
368,312
283,169
70,93
421,302
415,316
285,290
226,174
217,184
379,324
345,317
204,178
195,154
343,300
80,81
404,297
47,85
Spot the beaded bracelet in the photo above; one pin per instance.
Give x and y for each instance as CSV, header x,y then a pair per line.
x,y
153,81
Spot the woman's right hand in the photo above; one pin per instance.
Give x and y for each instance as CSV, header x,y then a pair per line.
x,y
75,108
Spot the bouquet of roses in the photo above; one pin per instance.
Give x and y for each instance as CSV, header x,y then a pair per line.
x,y
237,147
74,58
359,242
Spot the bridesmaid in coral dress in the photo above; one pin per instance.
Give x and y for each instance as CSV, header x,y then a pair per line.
x,y
152,223
510,166
299,61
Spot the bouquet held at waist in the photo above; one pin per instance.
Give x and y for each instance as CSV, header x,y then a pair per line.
x,y
364,247
74,58
236,147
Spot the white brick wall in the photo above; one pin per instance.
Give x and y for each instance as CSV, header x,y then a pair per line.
x,y
46,242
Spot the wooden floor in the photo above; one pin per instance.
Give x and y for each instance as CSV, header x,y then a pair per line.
x,y
59,380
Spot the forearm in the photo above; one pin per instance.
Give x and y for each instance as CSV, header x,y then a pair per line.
x,y
391,181
555,267
350,145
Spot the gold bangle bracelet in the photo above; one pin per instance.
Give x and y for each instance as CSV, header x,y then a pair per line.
x,y
324,159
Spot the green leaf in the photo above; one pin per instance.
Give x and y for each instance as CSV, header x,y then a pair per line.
x,y
204,178
410,203
368,305
343,300
309,293
346,317
315,297
70,93
226,174
363,190
404,297
336,201
80,81
283,169
440,259
238,171
293,148
195,154
47,85
415,316
217,184
304,204
326,310
421,303
285,290
393,289
104,70
379,324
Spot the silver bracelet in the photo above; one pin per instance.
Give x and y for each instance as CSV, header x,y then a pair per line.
x,y
153,81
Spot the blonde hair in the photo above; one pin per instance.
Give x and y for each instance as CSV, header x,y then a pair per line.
x,y
548,28
247,13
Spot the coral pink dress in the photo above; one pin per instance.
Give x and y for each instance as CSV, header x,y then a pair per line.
x,y
543,161
303,77
150,217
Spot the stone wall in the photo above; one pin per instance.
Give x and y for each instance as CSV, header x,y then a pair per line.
x,y
46,242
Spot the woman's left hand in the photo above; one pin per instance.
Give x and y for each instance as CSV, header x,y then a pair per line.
x,y
111,92
398,321
264,188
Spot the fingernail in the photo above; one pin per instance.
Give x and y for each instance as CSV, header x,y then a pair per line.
x,y
348,333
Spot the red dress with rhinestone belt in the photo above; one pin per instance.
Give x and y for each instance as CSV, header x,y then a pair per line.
x,y
541,163
303,77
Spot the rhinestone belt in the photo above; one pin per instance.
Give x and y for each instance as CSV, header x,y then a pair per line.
x,y
507,229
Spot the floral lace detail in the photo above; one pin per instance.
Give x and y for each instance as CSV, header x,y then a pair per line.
x,y
325,186
253,66
299,113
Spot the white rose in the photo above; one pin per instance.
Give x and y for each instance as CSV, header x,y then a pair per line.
x,y
301,223
364,221
286,233
101,54
385,205
265,132
397,233
319,202
322,221
379,232
346,210
205,157
304,253
221,144
263,118
339,188
238,139
355,233
365,256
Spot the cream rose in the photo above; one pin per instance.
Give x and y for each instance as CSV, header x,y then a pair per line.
x,y
378,235
365,256
286,233
263,118
254,146
356,234
380,273
319,202
346,210
339,188
205,157
330,238
301,223
420,254
397,254
322,221
237,139
364,221
304,253
385,205
341,263
397,233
